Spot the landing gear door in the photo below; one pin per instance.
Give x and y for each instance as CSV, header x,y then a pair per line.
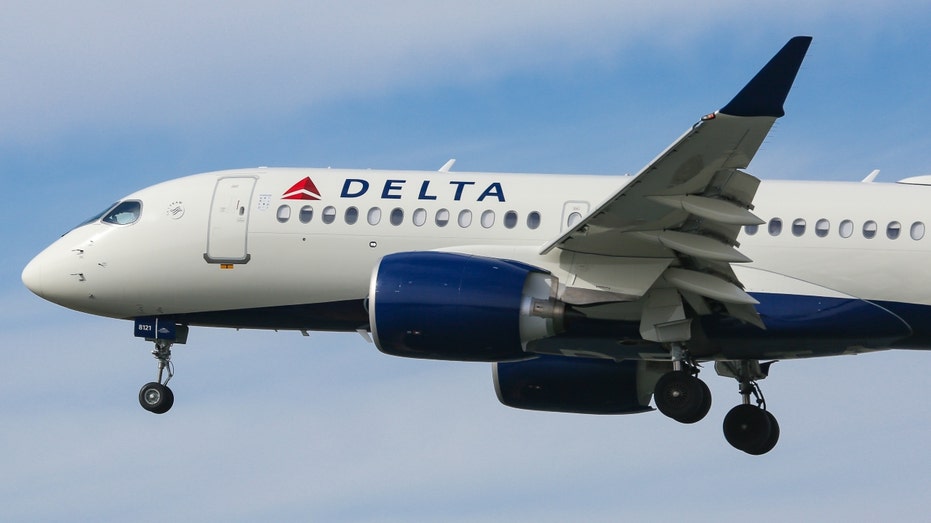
x,y
227,234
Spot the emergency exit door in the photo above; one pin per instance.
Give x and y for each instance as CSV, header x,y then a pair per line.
x,y
572,214
228,226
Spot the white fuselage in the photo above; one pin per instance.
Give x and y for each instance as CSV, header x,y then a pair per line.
x,y
243,240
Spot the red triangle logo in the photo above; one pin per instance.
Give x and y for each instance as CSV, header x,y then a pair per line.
x,y
302,190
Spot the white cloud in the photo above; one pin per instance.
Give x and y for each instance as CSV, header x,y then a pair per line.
x,y
174,63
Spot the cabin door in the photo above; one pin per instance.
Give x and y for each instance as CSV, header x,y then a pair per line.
x,y
228,227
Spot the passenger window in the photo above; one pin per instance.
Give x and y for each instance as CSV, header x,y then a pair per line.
x,y
329,214
869,229
822,228
751,229
284,214
306,214
533,220
488,219
917,231
798,227
420,217
374,216
442,218
510,219
893,230
397,216
775,227
125,213
352,215
465,218
845,229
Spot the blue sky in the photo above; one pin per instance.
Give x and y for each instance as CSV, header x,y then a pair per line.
x,y
103,99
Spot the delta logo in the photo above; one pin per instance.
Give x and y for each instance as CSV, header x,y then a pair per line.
x,y
455,190
302,190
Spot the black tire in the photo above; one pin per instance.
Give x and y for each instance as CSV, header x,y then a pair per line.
x,y
706,403
770,443
682,397
155,397
748,428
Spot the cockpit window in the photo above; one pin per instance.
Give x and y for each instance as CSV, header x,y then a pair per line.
x,y
125,213
98,216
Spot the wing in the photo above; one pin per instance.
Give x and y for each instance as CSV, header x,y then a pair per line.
x,y
689,203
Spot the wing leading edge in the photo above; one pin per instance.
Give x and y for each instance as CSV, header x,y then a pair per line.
x,y
690,202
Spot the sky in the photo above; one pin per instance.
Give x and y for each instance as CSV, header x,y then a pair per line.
x,y
100,99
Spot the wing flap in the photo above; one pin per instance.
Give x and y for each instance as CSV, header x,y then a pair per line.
x,y
697,245
689,179
708,285
689,203
723,211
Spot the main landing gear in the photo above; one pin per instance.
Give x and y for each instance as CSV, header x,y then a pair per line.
x,y
747,427
155,396
679,394
682,396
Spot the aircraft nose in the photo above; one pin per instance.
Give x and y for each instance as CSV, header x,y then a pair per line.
x,y
32,276
57,275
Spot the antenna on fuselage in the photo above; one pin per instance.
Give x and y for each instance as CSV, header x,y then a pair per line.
x,y
448,165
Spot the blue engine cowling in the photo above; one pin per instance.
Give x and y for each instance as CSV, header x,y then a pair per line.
x,y
449,306
580,385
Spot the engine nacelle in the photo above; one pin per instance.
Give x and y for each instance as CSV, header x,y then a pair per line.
x,y
580,385
449,306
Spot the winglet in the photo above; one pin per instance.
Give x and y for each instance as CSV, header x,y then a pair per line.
x,y
767,91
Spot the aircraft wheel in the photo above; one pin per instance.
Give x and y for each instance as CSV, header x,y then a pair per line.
x,y
682,397
750,429
155,397
706,401
771,441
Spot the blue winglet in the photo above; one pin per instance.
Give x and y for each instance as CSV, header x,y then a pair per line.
x,y
767,91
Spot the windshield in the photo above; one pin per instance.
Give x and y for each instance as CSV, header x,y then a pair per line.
x,y
97,216
125,213
120,213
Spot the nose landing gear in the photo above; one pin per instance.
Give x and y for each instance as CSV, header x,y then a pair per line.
x,y
155,396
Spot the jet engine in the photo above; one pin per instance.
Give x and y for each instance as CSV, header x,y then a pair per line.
x,y
449,306
580,385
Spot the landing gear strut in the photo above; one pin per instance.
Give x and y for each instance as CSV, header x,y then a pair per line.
x,y
747,427
155,396
680,394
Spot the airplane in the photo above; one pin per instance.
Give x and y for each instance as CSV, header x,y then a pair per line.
x,y
588,294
